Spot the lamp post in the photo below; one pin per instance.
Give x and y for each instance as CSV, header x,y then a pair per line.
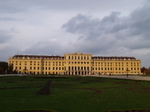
x,y
127,71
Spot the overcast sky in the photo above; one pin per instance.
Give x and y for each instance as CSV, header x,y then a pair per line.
x,y
55,27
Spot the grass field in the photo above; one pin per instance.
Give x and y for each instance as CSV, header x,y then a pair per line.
x,y
73,94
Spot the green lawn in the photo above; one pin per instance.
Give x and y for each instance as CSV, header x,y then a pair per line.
x,y
73,94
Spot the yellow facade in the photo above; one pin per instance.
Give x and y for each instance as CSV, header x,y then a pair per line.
x,y
75,64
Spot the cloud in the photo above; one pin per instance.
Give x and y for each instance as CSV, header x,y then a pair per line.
x,y
7,51
113,34
140,21
45,47
9,19
4,36
21,6
94,27
131,32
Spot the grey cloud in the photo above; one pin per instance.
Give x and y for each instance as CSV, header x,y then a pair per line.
x,y
140,21
4,36
45,47
131,32
93,27
9,6
80,24
18,6
9,19
7,52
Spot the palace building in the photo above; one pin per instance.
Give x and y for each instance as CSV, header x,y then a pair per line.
x,y
75,64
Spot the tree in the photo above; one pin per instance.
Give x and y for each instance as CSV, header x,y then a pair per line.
x,y
143,70
3,67
10,68
1,70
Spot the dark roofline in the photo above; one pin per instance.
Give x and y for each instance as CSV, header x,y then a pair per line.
x,y
38,56
111,57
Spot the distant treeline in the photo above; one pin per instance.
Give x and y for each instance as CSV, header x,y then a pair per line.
x,y
4,68
145,71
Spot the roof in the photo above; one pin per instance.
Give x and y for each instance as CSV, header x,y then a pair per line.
x,y
36,56
112,57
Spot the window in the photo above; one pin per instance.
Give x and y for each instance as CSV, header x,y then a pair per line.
x,y
87,68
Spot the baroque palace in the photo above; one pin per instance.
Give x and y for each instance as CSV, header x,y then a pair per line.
x,y
75,64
